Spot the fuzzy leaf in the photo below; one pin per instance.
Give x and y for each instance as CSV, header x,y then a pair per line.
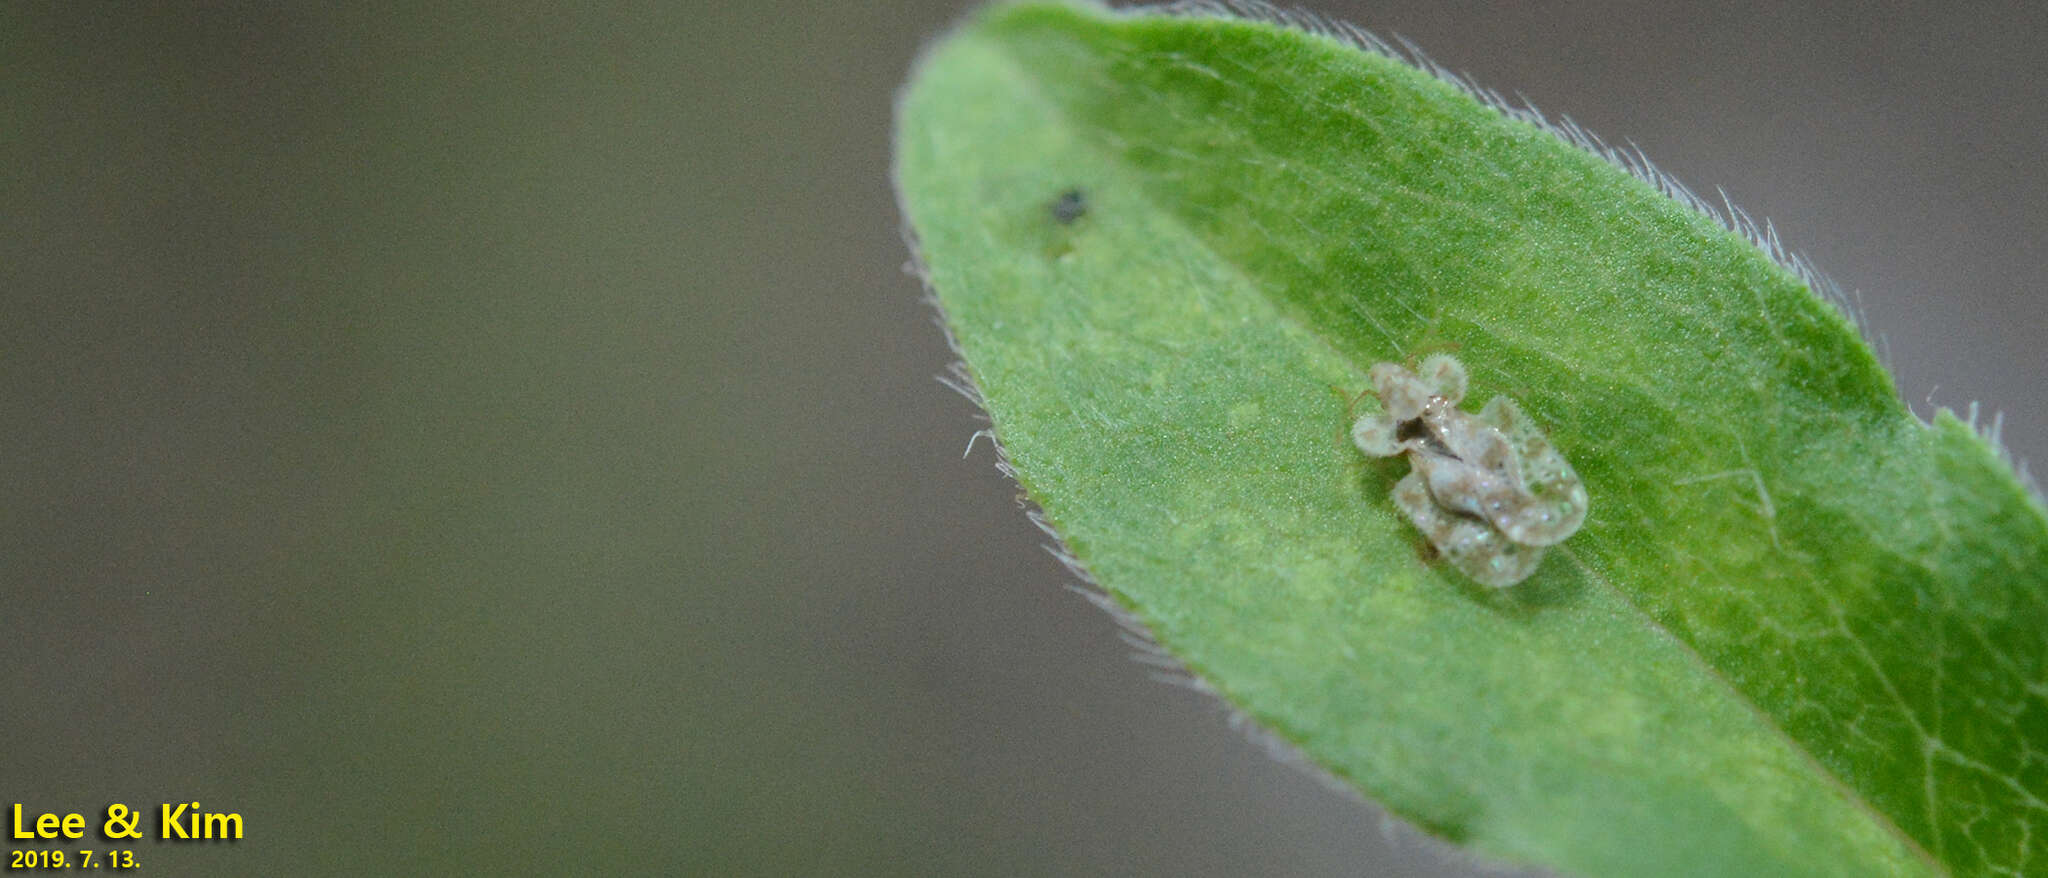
x,y
1801,632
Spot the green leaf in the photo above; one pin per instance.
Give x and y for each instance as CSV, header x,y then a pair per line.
x,y
1801,632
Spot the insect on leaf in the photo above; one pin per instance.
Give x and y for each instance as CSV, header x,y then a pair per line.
x,y
1800,632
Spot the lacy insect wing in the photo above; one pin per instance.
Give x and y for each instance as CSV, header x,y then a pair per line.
x,y
1489,491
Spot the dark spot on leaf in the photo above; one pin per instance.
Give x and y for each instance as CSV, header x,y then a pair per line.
x,y
1070,206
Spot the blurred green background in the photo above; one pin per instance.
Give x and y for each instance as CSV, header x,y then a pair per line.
x,y
500,438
